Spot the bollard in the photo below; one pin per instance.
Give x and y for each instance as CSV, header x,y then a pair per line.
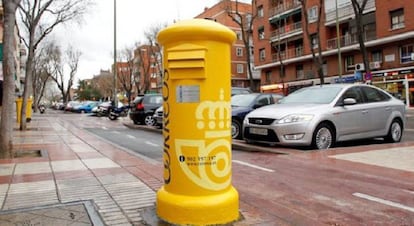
x,y
197,186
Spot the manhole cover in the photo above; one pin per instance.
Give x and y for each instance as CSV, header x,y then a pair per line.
x,y
76,213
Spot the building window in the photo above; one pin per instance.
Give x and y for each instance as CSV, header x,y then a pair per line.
x,y
314,40
260,12
300,74
376,56
397,19
239,51
261,33
262,54
313,14
349,63
239,35
407,54
325,68
268,77
240,68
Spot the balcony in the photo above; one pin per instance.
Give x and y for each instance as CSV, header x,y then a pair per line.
x,y
284,9
348,40
346,11
287,31
288,54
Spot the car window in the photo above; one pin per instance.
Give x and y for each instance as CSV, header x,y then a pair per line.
x,y
242,100
314,95
155,100
263,100
374,95
353,93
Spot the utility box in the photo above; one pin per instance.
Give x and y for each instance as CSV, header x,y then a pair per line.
x,y
197,157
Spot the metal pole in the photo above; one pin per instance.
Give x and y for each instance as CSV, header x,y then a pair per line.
x,y
338,43
115,68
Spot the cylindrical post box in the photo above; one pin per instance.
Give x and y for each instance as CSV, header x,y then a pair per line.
x,y
197,186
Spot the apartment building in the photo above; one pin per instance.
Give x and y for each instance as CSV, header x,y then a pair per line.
x,y
147,69
280,41
239,65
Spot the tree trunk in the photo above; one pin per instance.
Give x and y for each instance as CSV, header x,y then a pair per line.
x,y
9,70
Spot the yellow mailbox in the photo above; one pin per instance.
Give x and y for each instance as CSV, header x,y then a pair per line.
x,y
19,104
197,186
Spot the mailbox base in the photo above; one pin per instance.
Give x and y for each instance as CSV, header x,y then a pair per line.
x,y
216,209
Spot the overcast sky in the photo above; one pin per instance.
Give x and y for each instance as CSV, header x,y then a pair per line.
x,y
94,38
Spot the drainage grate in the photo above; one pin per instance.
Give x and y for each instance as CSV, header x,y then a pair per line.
x,y
30,154
74,213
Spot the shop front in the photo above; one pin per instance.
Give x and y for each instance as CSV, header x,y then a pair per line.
x,y
399,83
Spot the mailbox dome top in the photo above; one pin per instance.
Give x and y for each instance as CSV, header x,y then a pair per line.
x,y
196,29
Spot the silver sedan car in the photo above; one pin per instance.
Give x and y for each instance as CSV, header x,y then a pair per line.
x,y
320,116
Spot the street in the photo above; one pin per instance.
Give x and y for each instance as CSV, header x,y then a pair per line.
x,y
367,182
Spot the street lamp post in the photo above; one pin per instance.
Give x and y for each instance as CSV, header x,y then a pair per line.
x,y
115,68
338,43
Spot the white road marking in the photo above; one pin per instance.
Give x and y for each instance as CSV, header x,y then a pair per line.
x,y
253,166
116,132
383,201
130,136
152,144
103,127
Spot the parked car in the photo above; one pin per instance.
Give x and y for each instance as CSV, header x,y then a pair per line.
x,y
71,104
242,104
143,108
240,90
85,107
158,116
320,116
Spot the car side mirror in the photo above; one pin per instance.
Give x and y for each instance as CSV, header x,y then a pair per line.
x,y
349,101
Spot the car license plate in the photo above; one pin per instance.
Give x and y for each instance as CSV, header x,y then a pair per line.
x,y
258,131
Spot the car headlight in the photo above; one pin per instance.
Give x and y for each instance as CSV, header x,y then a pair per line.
x,y
295,118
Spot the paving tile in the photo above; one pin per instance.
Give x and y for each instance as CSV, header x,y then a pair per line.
x,y
67,165
81,147
31,168
22,178
390,158
6,169
98,163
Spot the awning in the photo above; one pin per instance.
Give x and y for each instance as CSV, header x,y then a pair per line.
x,y
285,15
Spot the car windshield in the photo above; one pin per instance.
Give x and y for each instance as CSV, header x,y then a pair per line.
x,y
320,95
242,100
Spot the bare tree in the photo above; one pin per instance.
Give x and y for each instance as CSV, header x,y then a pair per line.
x,y
104,83
245,22
9,70
39,18
317,59
359,7
56,68
126,76
40,77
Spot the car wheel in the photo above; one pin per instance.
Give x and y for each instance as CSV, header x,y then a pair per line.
x,y
149,120
395,132
235,129
323,137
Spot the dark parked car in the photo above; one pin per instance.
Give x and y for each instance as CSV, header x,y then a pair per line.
x,y
242,104
143,108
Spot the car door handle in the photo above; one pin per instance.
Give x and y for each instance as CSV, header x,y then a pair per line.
x,y
388,109
364,112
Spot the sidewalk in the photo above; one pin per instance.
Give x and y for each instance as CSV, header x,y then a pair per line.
x,y
70,168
